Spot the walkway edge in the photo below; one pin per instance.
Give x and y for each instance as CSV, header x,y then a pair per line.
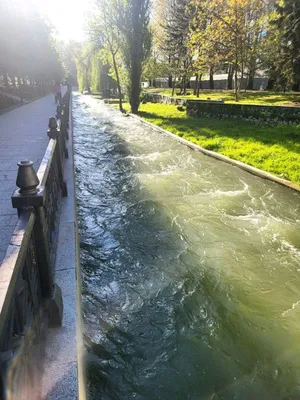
x,y
246,167
13,107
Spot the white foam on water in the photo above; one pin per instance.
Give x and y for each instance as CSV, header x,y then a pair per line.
x,y
295,305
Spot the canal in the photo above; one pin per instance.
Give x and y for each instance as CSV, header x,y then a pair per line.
x,y
190,268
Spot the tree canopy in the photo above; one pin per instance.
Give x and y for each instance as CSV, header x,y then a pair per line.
x,y
27,48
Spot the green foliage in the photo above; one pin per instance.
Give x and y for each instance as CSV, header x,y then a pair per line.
x,y
95,71
273,149
154,68
257,97
27,47
132,20
80,78
283,44
87,65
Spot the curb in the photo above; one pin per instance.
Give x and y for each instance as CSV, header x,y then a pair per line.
x,y
252,170
81,376
11,108
24,103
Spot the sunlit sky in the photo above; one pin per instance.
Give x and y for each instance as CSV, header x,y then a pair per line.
x,y
67,16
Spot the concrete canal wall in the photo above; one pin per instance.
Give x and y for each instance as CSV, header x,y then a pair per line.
x,y
60,379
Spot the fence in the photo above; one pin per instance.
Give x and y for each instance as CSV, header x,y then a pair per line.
x,y
29,299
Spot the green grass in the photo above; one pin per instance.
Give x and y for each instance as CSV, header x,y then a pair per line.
x,y
273,149
97,95
252,97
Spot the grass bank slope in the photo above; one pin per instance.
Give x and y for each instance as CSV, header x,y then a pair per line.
x,y
272,149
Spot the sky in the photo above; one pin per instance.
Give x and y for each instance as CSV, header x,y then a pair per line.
x,y
67,16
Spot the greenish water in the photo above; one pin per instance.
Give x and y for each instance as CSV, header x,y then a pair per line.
x,y
190,268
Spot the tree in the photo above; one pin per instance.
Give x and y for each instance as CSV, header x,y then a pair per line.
x,y
154,68
176,28
121,30
82,56
67,56
159,16
28,50
203,43
132,20
105,32
285,35
230,30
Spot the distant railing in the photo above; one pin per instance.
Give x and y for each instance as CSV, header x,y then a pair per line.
x,y
27,278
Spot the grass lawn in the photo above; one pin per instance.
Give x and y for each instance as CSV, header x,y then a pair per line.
x,y
273,149
252,97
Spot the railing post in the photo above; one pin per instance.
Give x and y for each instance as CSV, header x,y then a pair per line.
x,y
64,121
30,194
54,133
58,111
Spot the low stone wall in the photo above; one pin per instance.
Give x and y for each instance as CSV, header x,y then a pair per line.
x,y
256,114
164,99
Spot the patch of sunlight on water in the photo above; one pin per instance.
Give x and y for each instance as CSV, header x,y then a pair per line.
x,y
190,267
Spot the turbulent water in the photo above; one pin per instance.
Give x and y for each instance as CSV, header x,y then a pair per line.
x,y
190,266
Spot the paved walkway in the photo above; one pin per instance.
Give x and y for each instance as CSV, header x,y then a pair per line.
x,y
23,135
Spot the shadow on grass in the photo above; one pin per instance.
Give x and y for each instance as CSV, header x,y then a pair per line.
x,y
285,136
254,97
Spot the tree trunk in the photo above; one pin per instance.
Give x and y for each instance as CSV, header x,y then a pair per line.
x,y
211,78
196,84
230,78
199,85
173,88
135,81
270,84
236,71
241,80
181,86
118,82
251,79
170,78
184,85
236,84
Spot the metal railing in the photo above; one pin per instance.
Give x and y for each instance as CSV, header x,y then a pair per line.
x,y
29,299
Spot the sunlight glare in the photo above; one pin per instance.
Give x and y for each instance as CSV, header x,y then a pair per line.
x,y
67,17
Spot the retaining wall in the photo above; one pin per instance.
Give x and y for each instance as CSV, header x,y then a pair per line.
x,y
257,114
164,99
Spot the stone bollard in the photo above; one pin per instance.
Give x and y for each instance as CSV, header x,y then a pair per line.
x,y
27,180
65,121
54,133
